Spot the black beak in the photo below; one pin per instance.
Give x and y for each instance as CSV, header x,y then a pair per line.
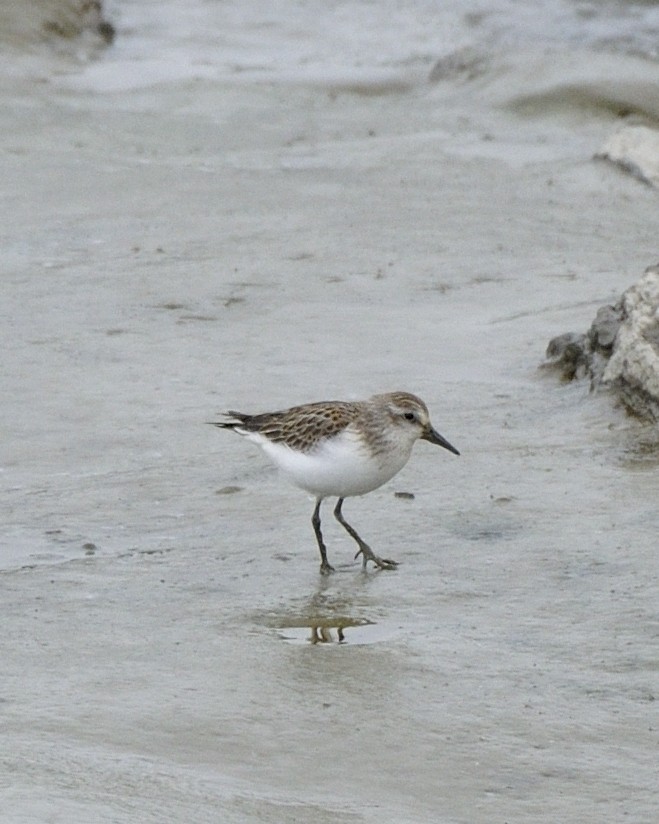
x,y
434,437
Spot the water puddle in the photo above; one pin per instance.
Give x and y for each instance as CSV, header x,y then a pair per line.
x,y
328,629
317,630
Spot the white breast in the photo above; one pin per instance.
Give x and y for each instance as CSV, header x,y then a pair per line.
x,y
341,466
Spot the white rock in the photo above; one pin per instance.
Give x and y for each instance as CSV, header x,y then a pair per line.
x,y
636,149
633,369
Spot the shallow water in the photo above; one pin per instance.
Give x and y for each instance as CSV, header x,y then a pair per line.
x,y
250,215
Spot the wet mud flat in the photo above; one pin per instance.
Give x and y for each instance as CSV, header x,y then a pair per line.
x,y
168,642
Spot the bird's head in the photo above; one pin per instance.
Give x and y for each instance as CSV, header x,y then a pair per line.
x,y
410,412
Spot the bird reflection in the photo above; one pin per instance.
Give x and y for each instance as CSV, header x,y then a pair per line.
x,y
324,635
323,617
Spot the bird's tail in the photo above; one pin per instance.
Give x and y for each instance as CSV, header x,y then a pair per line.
x,y
234,420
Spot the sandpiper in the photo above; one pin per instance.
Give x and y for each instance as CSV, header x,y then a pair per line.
x,y
340,449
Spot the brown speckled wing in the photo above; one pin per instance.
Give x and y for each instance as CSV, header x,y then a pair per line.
x,y
302,427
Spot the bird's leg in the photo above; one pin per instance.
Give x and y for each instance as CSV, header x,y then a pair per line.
x,y
325,567
364,548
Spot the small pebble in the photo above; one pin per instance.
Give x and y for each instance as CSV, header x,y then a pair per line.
x,y
229,490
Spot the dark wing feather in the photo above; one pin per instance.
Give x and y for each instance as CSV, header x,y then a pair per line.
x,y
300,427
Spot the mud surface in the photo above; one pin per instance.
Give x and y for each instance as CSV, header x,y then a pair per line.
x,y
175,248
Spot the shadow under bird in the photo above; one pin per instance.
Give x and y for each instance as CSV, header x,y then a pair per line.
x,y
340,449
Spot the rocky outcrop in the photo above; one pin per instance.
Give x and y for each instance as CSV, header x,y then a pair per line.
x,y
620,351
31,22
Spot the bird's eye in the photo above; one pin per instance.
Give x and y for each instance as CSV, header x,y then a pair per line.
x,y
409,416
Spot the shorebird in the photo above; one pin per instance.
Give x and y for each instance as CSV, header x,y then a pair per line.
x,y
341,449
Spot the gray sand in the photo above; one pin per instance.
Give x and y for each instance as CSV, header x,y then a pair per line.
x,y
172,252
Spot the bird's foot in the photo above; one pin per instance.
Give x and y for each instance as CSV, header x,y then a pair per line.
x,y
369,555
325,568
